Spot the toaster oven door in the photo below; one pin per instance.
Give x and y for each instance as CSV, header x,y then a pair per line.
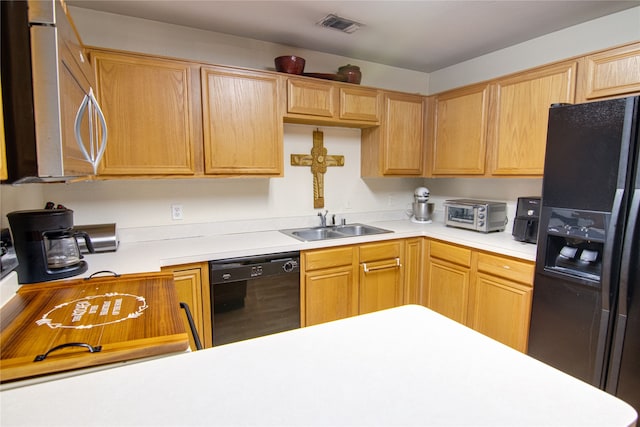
x,y
463,216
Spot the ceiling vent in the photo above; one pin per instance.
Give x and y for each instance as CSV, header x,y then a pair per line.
x,y
339,23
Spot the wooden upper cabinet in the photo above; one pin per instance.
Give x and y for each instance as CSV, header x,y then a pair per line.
x,y
148,107
611,73
310,98
243,130
459,132
360,104
322,102
518,134
396,147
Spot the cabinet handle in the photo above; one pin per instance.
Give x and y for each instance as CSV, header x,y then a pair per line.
x,y
92,349
381,267
91,107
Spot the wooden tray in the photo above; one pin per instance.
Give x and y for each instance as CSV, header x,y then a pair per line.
x,y
111,319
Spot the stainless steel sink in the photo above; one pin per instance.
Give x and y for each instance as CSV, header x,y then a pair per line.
x,y
312,234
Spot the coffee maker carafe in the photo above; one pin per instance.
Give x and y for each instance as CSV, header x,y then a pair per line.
x,y
46,245
422,210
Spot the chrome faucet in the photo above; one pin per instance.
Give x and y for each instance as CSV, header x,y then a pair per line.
x,y
323,218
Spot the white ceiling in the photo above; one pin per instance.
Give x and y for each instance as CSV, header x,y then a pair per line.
x,y
422,35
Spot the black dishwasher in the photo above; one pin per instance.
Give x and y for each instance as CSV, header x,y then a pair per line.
x,y
254,296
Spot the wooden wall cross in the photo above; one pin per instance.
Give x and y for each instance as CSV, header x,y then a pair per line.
x,y
318,160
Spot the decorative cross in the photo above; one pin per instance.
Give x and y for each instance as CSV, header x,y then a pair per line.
x,y
318,160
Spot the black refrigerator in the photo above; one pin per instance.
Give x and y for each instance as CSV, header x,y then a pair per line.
x,y
585,318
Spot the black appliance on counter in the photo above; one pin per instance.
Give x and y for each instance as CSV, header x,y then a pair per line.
x,y
254,296
525,224
46,246
585,316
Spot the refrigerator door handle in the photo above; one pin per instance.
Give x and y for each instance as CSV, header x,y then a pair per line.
x,y
623,295
606,322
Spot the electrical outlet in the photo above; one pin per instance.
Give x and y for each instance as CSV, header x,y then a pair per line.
x,y
176,212
391,200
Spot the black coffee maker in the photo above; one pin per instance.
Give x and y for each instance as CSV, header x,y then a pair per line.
x,y
46,245
525,224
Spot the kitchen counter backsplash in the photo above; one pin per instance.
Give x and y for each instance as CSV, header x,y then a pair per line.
x,y
166,232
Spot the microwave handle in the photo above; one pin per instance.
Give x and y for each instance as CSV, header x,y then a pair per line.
x,y
96,149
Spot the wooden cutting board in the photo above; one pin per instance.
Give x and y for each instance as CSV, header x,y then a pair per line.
x,y
111,319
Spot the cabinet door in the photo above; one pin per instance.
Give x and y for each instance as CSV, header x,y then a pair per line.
x,y
502,309
192,285
310,98
242,123
614,72
448,289
330,294
519,129
360,104
448,280
380,285
147,103
403,139
460,131
395,148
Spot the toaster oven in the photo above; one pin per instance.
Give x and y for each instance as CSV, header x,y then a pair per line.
x,y
477,215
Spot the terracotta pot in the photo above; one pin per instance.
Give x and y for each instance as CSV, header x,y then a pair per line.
x,y
289,64
350,73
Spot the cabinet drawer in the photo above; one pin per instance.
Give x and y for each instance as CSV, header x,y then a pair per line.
x,y
519,271
326,258
450,253
379,251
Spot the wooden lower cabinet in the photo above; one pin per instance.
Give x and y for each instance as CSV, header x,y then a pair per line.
x,y
345,281
380,285
503,296
489,293
329,285
192,284
448,280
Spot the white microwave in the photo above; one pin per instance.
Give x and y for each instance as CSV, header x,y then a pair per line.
x,y
477,215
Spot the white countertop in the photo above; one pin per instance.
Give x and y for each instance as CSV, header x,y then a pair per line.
x,y
151,255
403,366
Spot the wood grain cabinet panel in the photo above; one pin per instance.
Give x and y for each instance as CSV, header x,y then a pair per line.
x,y
147,103
329,288
611,73
192,286
502,309
518,135
460,131
243,130
413,270
396,147
360,104
310,98
502,299
381,274
448,280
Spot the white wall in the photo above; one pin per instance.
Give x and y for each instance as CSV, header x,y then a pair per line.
x,y
144,203
141,35
615,29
